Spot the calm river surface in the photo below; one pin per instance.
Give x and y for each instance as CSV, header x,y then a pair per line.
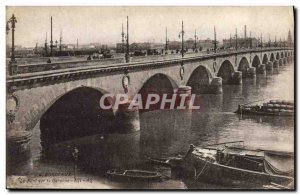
x,y
168,133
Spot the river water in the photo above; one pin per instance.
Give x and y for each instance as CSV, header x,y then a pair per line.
x,y
168,133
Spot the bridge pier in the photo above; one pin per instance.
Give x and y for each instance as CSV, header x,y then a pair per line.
x,y
284,61
261,69
216,85
275,64
269,66
127,119
252,72
18,148
236,78
183,90
280,62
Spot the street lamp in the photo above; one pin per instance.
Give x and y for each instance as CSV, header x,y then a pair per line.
x,y
12,21
236,37
127,43
167,42
181,33
123,44
215,39
195,44
261,41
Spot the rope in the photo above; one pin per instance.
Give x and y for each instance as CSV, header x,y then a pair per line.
x,y
201,171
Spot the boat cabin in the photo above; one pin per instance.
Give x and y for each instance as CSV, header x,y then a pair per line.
x,y
241,158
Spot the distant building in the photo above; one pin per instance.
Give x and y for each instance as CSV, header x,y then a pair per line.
x,y
140,46
71,46
174,45
190,44
290,42
241,43
207,44
120,48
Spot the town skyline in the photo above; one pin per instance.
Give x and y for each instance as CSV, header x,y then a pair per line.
x,y
146,29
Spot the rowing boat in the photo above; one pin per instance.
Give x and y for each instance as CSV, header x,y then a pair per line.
x,y
137,175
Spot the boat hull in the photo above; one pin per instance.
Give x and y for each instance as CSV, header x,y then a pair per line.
x,y
253,112
138,176
217,173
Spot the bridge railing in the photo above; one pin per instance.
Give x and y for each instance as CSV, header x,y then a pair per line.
x,y
94,66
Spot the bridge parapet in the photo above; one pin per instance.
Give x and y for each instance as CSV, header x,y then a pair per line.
x,y
27,68
41,67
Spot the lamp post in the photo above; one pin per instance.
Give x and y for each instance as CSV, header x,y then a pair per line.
x,y
12,21
123,44
46,46
261,41
250,40
236,37
181,33
167,42
51,41
195,44
127,43
60,41
215,40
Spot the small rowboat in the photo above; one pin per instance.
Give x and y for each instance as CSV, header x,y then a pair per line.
x,y
159,161
167,162
137,175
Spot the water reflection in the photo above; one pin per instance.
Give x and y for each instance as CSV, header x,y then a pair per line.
x,y
164,133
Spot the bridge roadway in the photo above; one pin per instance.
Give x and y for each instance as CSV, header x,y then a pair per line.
x,y
36,94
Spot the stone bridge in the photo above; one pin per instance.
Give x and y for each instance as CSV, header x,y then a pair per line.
x,y
59,98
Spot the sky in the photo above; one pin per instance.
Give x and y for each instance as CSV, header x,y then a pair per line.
x,y
104,24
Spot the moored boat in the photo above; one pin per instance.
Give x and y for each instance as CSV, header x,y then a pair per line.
x,y
271,108
239,165
159,161
138,175
167,162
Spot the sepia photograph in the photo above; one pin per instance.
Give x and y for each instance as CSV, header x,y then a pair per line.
x,y
150,97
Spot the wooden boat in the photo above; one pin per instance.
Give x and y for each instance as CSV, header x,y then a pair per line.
x,y
138,175
159,161
275,186
167,162
271,108
239,165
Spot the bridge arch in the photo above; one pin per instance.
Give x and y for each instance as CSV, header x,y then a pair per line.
x,y
200,80
277,56
256,61
244,66
226,71
157,84
75,114
265,59
272,58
